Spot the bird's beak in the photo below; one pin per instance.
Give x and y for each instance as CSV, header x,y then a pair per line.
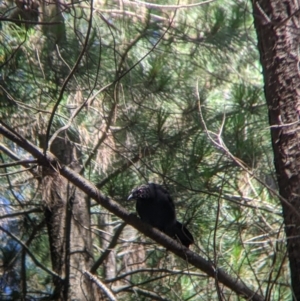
x,y
130,197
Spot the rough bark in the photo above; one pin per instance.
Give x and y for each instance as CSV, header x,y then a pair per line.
x,y
277,23
68,222
109,265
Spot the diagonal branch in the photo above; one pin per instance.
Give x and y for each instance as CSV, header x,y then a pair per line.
x,y
194,259
53,274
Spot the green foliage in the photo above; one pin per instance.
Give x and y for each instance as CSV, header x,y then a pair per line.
x,y
175,102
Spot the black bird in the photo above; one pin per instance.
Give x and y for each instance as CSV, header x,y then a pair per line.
x,y
156,207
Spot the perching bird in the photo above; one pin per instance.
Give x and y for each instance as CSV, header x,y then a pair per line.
x,y
156,207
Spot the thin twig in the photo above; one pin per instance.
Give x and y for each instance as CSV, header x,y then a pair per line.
x,y
193,258
109,249
20,162
70,75
221,145
53,274
173,7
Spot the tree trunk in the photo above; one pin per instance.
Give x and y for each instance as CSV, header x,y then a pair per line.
x,y
277,24
68,222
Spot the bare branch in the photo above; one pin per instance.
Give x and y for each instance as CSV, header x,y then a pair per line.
x,y
53,274
20,162
219,143
196,260
173,7
68,79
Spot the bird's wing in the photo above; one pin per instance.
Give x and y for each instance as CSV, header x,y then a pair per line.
x,y
160,192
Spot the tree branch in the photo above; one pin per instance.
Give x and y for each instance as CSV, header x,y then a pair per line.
x,y
194,259
53,274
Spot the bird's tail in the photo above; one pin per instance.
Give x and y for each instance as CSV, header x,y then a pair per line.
x,y
183,234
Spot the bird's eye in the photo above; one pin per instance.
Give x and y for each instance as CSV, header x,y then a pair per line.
x,y
141,193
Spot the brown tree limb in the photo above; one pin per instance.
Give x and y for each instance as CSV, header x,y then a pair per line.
x,y
194,259
4,19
